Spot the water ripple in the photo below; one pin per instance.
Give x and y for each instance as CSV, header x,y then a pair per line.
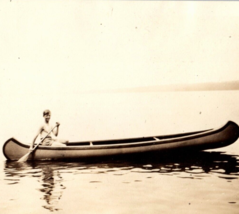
x,y
52,174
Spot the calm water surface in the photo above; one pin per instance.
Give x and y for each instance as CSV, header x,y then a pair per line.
x,y
203,182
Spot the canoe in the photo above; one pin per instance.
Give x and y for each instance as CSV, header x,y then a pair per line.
x,y
199,140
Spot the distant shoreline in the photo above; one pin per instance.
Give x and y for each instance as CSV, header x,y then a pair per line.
x,y
213,86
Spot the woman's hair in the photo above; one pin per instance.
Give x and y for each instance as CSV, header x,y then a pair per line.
x,y
46,112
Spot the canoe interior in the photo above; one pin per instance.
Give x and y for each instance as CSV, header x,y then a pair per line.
x,y
133,140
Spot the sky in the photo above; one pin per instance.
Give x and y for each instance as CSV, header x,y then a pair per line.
x,y
54,51
73,46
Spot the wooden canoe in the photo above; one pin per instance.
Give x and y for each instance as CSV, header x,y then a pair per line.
x,y
200,140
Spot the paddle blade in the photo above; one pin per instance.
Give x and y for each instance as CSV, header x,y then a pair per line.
x,y
24,158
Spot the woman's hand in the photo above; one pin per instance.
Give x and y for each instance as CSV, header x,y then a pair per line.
x,y
58,124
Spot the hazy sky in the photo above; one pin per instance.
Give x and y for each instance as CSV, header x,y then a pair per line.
x,y
70,46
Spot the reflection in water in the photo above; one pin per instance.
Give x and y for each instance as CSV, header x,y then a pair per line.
x,y
49,177
190,166
51,187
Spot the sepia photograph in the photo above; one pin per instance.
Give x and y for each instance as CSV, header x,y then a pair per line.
x,y
119,107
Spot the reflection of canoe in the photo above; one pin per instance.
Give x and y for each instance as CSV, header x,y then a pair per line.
x,y
201,140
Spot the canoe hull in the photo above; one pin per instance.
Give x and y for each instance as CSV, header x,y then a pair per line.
x,y
215,138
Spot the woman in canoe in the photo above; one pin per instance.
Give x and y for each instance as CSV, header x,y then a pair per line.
x,y
51,138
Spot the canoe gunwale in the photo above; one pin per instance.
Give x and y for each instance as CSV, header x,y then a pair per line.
x,y
116,145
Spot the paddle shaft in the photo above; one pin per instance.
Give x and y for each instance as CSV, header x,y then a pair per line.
x,y
25,157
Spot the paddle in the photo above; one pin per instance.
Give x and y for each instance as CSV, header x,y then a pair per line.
x,y
25,157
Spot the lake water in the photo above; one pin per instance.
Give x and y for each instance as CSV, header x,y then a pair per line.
x,y
203,182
